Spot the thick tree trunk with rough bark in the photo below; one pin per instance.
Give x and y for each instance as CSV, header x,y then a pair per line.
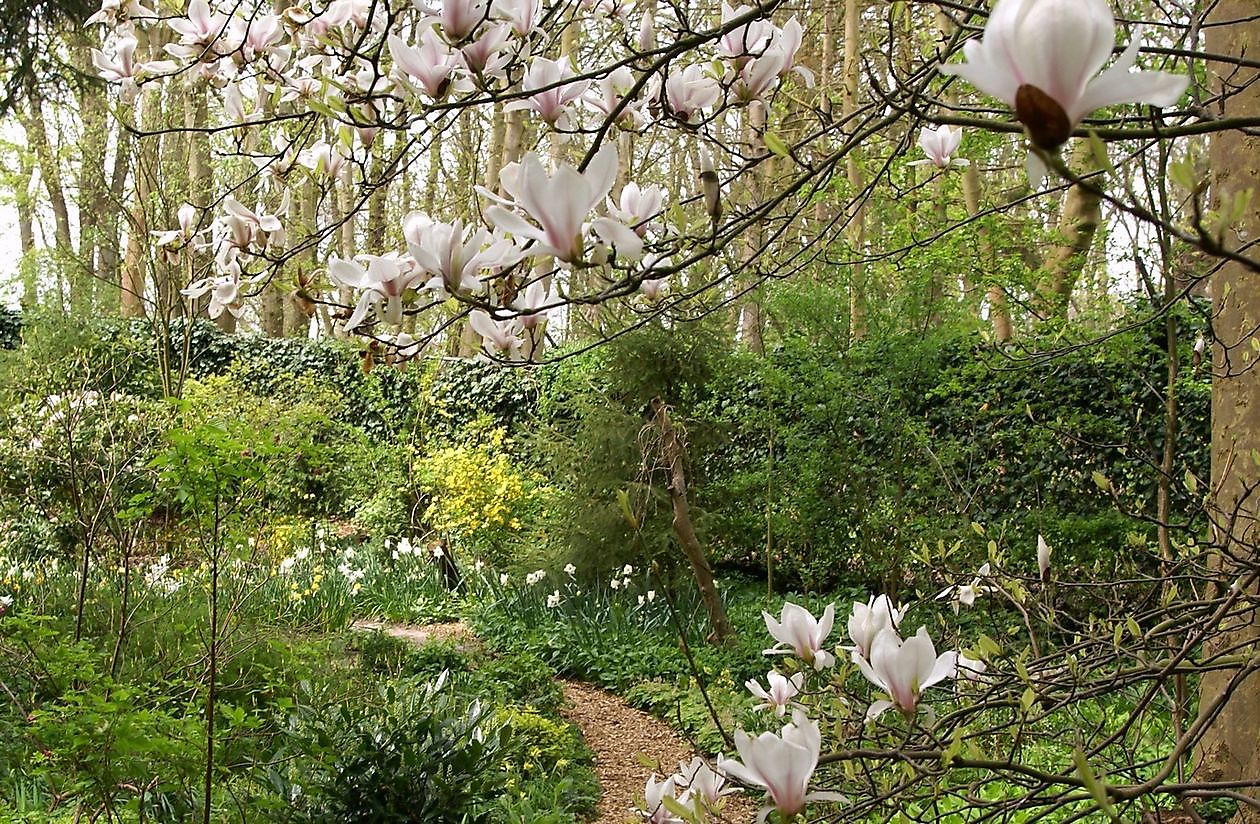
x,y
1231,748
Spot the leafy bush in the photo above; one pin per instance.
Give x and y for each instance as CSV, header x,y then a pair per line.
x,y
419,753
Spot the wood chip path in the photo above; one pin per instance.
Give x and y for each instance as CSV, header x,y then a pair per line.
x,y
616,733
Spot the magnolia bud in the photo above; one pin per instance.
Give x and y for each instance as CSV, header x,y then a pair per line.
x,y
712,189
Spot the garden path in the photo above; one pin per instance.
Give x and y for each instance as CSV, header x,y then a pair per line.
x,y
617,733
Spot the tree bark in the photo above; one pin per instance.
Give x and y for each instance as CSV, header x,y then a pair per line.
x,y
1230,750
1078,223
857,214
674,454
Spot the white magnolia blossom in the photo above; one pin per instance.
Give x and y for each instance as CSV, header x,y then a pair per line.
x,y
780,693
1041,56
454,255
224,291
939,145
868,620
781,764
654,810
500,338
383,281
966,594
690,91
428,65
560,204
552,96
903,669
701,782
1043,557
801,634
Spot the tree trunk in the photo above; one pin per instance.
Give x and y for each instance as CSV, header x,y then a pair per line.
x,y
50,173
674,454
1078,223
1230,749
754,236
26,230
857,213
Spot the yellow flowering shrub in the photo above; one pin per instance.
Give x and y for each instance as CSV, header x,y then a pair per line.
x,y
475,493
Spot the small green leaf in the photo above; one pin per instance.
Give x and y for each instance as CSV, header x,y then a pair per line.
x,y
1097,789
777,145
1100,480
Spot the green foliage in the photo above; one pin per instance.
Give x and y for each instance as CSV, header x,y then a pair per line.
x,y
10,328
418,753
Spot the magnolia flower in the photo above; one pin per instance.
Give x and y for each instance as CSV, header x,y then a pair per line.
x,y
560,203
430,64
530,300
384,279
455,255
870,619
608,96
802,634
782,691
1043,557
224,292
904,669
966,594
653,810
521,14
646,41
701,782
261,36
689,91
198,31
248,227
758,75
172,240
404,347
553,95
743,41
939,145
499,337
1040,57
782,764
637,205
322,158
786,42
485,54
457,18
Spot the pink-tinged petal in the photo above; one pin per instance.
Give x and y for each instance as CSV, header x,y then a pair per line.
x,y
825,623
878,708
619,236
946,666
1121,85
366,302
1063,43
506,220
348,273
996,79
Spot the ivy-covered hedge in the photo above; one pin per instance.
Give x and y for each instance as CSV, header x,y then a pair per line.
x,y
853,461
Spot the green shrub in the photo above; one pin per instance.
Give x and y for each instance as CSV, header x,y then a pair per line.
x,y
419,753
